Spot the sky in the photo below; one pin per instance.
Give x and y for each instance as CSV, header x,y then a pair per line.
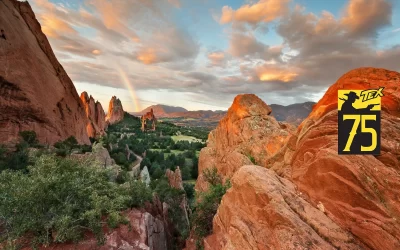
x,y
200,54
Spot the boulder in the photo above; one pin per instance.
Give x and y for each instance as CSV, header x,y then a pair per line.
x,y
35,91
115,111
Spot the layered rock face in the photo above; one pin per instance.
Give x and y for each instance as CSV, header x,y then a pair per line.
x,y
96,117
115,111
313,198
35,91
247,133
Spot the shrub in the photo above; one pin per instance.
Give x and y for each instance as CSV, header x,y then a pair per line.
x,y
251,158
211,176
186,173
29,137
207,204
195,168
189,190
59,197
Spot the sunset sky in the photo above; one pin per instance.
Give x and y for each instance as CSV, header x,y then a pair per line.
x,y
199,54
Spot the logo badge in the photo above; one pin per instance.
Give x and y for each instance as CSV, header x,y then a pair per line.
x,y
359,121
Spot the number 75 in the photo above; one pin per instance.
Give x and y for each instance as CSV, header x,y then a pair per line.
x,y
364,129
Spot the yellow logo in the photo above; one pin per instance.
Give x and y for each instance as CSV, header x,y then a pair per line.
x,y
359,121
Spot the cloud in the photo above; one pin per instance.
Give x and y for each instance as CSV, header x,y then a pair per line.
x,y
365,17
242,45
271,73
168,45
262,11
217,58
175,3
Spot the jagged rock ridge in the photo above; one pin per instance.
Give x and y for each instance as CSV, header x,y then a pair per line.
x,y
35,91
96,117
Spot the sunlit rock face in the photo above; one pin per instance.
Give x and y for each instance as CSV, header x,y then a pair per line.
x,y
35,91
115,111
312,198
248,133
96,117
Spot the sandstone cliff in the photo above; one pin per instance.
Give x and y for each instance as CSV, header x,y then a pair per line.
x,y
115,111
96,125
35,91
247,133
312,198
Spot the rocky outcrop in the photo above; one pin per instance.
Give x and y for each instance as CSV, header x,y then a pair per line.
x,y
175,181
143,232
247,134
35,91
115,111
175,178
145,176
313,198
96,125
272,215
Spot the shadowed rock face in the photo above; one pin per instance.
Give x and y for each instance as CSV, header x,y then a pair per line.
x,y
115,111
96,117
35,91
247,132
312,198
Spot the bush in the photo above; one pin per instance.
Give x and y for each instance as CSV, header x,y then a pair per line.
x,y
18,160
211,176
62,198
189,190
186,173
207,204
195,168
29,137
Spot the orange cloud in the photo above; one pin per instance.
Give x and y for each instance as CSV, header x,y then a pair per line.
x,y
52,26
366,16
268,73
96,52
263,11
216,58
147,56
175,3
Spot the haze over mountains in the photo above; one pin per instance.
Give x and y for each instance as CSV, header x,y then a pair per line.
x,y
293,113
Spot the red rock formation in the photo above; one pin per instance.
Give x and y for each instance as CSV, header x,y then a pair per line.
x,y
247,131
175,178
322,200
144,232
360,193
264,211
115,111
35,91
96,117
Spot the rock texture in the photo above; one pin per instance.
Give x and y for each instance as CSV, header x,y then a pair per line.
x,y
312,198
247,133
115,111
144,232
264,211
35,91
96,125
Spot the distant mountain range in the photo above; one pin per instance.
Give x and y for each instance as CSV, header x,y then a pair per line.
x,y
294,113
